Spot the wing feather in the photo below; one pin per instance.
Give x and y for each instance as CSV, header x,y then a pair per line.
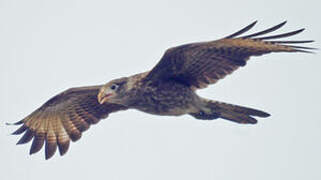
x,y
63,118
244,30
274,28
282,35
27,136
38,142
204,63
20,130
51,142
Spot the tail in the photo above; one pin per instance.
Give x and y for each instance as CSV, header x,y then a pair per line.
x,y
238,114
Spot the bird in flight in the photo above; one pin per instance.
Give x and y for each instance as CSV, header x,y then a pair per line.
x,y
168,89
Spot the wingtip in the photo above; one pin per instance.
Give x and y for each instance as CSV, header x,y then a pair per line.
x,y
292,42
301,30
12,124
254,22
28,135
302,47
274,28
243,30
50,149
20,130
284,35
48,156
31,152
284,22
20,142
297,31
63,147
304,51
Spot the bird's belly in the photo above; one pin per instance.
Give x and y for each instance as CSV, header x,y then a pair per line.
x,y
172,100
166,111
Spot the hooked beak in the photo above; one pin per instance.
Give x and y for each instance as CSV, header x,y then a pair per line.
x,y
103,96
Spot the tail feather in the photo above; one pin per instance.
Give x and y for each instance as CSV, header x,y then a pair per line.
x,y
240,109
238,118
235,113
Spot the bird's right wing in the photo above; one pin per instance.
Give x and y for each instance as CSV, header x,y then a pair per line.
x,y
63,118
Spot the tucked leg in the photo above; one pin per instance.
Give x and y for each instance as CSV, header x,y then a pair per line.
x,y
205,116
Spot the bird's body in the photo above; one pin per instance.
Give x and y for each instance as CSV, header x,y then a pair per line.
x,y
162,98
168,89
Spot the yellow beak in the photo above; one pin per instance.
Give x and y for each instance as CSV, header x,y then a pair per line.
x,y
103,96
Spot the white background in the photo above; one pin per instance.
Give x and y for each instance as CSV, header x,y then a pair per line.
x,y
49,46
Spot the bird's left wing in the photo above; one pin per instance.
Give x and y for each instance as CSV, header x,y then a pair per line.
x,y
63,118
201,64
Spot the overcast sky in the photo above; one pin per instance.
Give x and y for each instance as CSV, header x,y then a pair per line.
x,y
49,46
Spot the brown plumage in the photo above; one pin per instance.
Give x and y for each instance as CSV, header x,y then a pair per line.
x,y
63,118
168,89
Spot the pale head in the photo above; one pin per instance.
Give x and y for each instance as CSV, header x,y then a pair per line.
x,y
113,91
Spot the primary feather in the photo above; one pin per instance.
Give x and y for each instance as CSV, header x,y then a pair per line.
x,y
63,118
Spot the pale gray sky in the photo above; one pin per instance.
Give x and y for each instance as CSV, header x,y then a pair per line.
x,y
49,46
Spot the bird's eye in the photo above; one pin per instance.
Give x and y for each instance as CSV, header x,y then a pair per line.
x,y
114,87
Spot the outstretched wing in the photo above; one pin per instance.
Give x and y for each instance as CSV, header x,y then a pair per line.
x,y
63,118
201,64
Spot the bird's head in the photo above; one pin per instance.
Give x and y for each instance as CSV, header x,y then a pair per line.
x,y
113,92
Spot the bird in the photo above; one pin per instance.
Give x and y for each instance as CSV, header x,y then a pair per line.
x,y
168,89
